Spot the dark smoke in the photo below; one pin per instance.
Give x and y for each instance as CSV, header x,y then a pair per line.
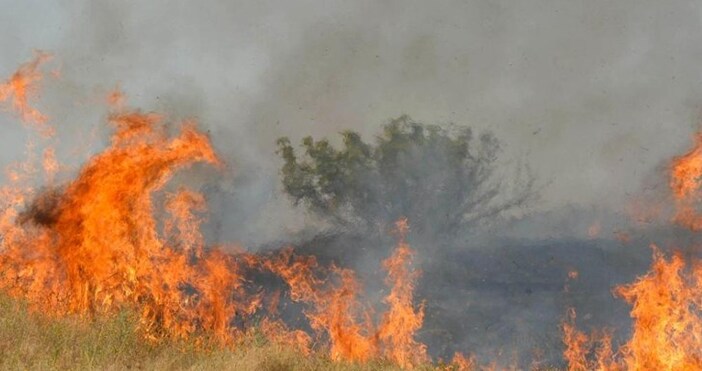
x,y
44,209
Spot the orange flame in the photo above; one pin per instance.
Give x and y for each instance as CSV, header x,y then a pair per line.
x,y
335,308
93,246
686,171
278,332
462,363
99,250
666,302
585,352
401,321
337,312
666,310
23,85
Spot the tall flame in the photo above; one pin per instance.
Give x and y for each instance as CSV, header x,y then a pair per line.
x,y
402,320
666,301
337,312
93,247
335,307
98,244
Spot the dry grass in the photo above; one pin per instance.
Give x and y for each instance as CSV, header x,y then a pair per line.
x,y
31,340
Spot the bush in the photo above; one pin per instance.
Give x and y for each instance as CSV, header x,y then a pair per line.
x,y
440,178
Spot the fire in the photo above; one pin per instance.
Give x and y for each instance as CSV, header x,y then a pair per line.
x,y
402,320
585,352
666,310
684,184
116,237
666,302
336,309
23,85
667,324
95,244
462,363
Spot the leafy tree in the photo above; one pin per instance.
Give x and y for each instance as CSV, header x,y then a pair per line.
x,y
442,179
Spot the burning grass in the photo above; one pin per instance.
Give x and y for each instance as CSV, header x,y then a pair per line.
x,y
96,274
666,301
99,244
30,340
33,341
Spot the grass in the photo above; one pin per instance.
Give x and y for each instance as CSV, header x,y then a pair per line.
x,y
30,340
34,341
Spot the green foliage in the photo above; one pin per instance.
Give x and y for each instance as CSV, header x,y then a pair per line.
x,y
439,178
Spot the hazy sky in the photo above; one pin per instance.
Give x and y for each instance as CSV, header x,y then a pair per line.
x,y
593,94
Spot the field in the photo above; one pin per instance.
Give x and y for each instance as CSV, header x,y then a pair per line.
x,y
33,341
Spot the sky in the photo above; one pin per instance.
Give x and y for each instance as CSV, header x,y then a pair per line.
x,y
595,96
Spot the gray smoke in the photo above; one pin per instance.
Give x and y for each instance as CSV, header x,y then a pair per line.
x,y
594,95
591,93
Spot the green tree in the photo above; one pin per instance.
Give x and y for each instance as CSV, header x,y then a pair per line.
x,y
442,179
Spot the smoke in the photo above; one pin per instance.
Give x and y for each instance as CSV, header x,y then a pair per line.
x,y
593,95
